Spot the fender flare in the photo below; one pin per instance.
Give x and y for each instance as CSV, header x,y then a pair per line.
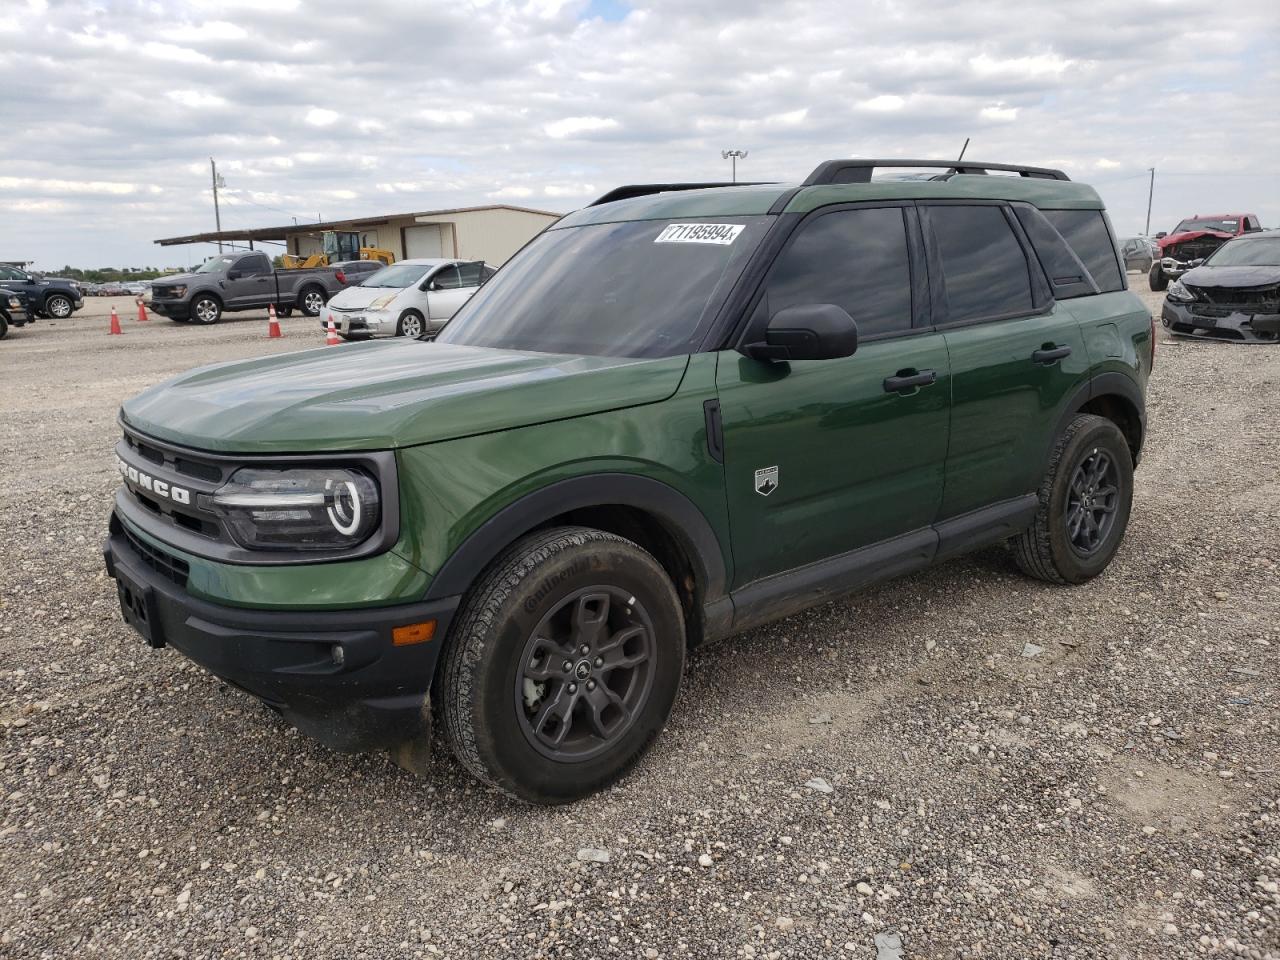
x,y
1102,385
679,515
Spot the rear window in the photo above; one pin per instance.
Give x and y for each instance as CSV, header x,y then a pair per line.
x,y
1086,233
983,267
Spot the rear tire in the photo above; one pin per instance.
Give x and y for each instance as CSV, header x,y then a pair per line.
x,y
513,714
1085,501
1157,278
4,326
311,301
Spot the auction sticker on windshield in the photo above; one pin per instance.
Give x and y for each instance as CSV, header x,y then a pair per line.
x,y
720,233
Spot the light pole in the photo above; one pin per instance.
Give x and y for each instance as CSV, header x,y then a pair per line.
x,y
735,156
217,182
1151,189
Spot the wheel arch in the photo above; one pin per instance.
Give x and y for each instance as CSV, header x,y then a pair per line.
x,y
1114,397
650,513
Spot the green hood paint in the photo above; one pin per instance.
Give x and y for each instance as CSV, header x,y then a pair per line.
x,y
388,394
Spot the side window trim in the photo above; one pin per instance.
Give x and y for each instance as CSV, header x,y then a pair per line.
x,y
755,278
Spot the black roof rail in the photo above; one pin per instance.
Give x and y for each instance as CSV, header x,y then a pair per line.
x,y
859,171
645,189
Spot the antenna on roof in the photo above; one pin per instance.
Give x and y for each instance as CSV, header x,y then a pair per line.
x,y
963,149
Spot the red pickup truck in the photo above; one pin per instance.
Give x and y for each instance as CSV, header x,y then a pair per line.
x,y
1194,239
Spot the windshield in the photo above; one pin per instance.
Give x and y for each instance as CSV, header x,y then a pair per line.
x,y
217,264
1211,223
645,288
1257,252
399,276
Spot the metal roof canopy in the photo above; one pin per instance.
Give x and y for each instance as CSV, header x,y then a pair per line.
x,y
280,233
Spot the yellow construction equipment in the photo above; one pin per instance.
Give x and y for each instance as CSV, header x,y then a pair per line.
x,y
337,246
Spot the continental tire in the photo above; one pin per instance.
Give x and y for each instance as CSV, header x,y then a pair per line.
x,y
562,666
1084,507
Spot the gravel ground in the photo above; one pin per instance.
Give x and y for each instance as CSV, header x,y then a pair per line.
x,y
891,762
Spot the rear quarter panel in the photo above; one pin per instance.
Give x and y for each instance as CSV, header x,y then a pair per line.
x,y
1117,333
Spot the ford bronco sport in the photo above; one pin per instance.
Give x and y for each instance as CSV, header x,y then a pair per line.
x,y
678,413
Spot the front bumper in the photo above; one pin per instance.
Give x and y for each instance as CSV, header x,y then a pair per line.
x,y
173,309
358,324
1193,319
337,676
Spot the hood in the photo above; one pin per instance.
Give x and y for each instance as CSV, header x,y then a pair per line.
x,y
1173,238
383,394
173,278
1243,276
356,296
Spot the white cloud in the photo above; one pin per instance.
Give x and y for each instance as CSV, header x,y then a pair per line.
x,y
196,99
511,193
321,116
573,126
885,103
999,113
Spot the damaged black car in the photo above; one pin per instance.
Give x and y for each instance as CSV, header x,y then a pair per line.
x,y
1234,294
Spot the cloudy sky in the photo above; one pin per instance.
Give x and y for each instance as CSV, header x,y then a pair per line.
x,y
334,108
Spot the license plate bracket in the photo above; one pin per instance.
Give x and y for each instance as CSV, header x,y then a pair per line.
x,y
139,608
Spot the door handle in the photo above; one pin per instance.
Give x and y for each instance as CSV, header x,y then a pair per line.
x,y
1050,354
909,380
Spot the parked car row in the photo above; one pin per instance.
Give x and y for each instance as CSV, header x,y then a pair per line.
x,y
115,288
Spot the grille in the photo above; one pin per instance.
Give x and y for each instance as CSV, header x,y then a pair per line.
x,y
1193,249
168,566
1247,299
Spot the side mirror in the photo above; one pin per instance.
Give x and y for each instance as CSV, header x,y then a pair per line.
x,y
234,274
814,331
1161,235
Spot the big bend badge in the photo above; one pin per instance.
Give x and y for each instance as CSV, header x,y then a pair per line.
x,y
766,480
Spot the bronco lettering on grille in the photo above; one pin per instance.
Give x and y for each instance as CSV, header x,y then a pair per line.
x,y
144,481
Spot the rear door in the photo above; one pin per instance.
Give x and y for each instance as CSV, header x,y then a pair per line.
x,y
1016,354
823,457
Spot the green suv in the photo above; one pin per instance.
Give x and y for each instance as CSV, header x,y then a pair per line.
x,y
680,412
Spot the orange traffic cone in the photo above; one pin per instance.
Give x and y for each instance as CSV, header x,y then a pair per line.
x,y
273,325
142,311
332,339
115,322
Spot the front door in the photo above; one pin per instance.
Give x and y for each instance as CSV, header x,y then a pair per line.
x,y
823,457
452,286
255,285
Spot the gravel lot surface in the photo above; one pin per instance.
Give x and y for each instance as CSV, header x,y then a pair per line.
x,y
891,762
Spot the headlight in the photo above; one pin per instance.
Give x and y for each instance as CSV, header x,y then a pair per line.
x,y
298,509
1178,291
178,292
14,303
381,302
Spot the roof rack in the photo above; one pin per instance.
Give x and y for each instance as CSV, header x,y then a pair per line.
x,y
859,171
645,189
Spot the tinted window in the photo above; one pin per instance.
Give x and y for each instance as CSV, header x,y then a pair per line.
x,y
856,259
644,288
9,273
470,273
1086,233
447,278
252,266
983,267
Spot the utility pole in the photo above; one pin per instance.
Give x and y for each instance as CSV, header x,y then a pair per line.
x,y
735,156
217,182
1151,189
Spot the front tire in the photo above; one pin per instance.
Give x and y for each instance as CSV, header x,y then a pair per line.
x,y
411,324
1157,278
1085,501
206,310
513,713
57,306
